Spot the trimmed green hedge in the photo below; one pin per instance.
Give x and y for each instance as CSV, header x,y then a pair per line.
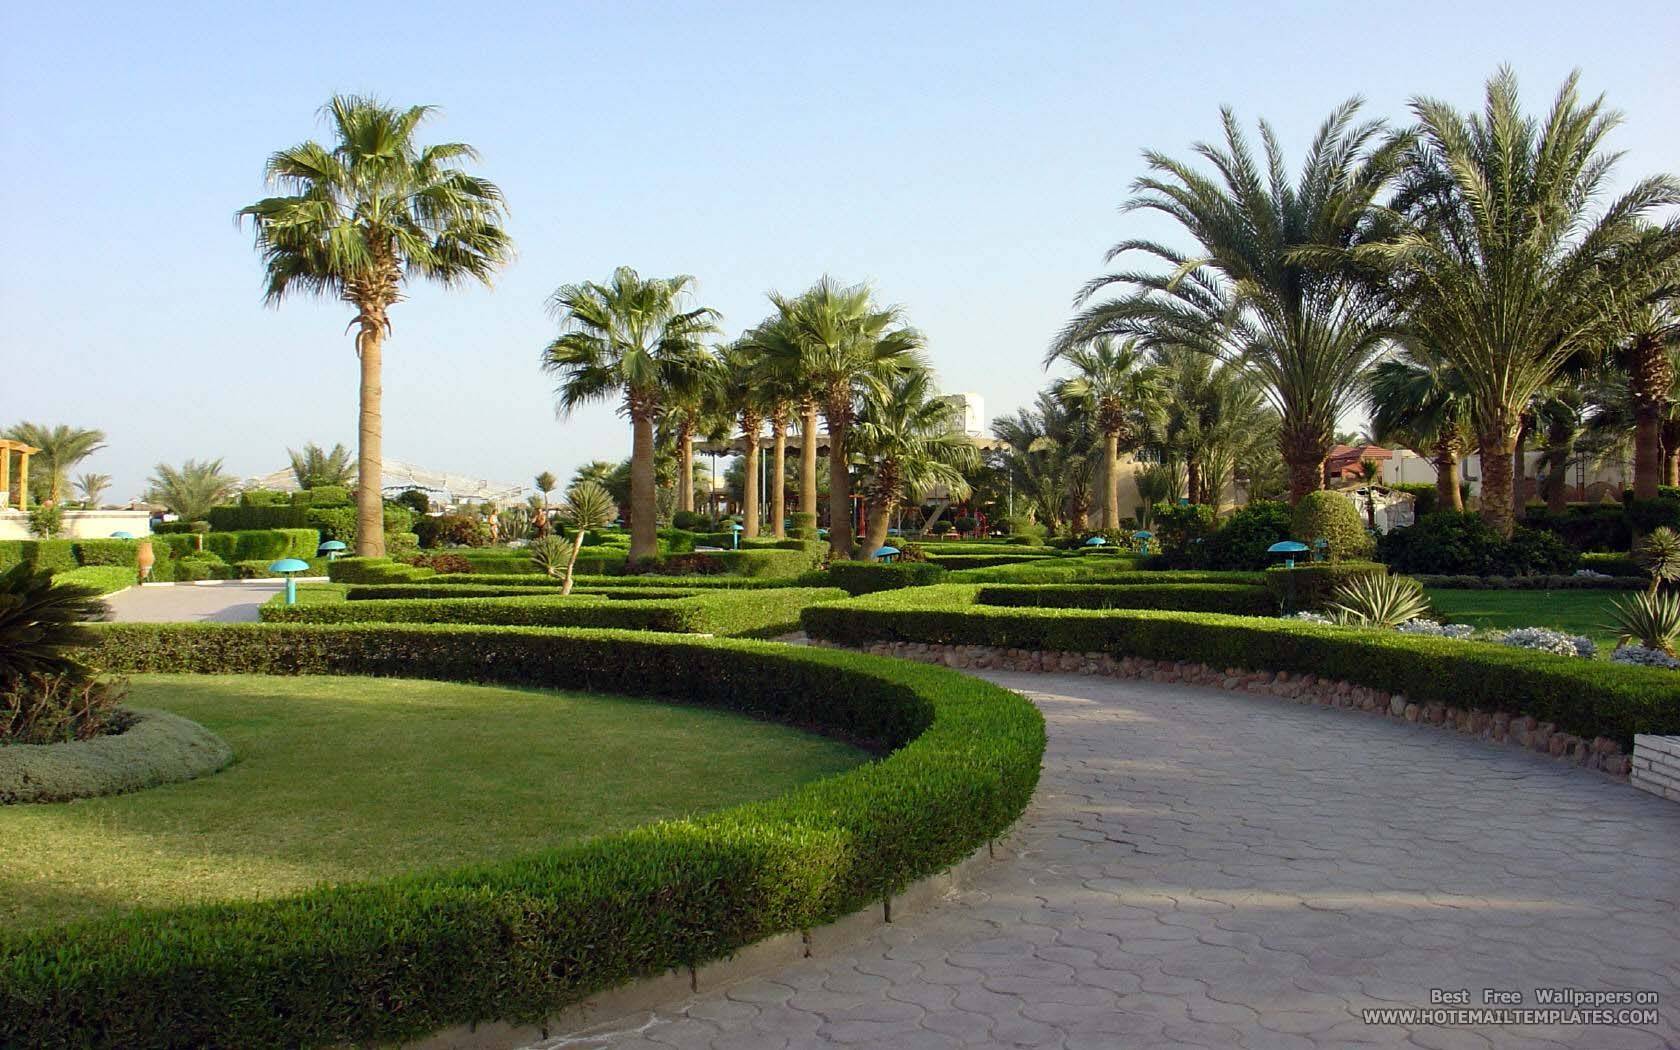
x,y
64,555
770,562
375,570
728,613
362,592
654,582
985,561
263,544
864,577
1310,586
237,518
1049,570
106,579
1242,599
518,940
1584,697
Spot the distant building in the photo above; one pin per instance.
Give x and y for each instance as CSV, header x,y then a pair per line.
x,y
972,412
443,488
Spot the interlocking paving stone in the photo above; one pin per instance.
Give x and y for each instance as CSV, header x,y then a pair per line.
x,y
1207,869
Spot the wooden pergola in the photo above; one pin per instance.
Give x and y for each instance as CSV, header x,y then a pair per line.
x,y
8,449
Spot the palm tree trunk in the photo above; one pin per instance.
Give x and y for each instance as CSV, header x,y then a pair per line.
x,y
839,487
1647,451
1447,494
749,486
778,477
1193,479
808,459
685,468
370,443
1557,488
875,536
1111,480
1303,448
644,524
1519,474
1498,448
1671,452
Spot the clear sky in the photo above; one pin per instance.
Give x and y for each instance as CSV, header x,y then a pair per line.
x,y
966,158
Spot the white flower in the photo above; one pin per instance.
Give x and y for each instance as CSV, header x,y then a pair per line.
x,y
1547,640
1643,657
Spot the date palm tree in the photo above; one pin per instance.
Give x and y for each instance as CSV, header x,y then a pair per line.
x,y
1248,295
910,442
1646,350
635,340
359,219
1420,401
1505,265
62,447
845,346
192,489
92,487
1115,383
315,466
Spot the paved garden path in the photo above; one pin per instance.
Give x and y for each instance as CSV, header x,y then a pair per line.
x,y
1213,870
230,601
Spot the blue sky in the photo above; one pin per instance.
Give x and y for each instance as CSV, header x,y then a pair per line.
x,y
968,159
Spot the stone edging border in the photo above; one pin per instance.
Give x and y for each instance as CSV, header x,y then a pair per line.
x,y
158,748
767,956
1601,753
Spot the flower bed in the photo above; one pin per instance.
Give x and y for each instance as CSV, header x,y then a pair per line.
x,y
518,940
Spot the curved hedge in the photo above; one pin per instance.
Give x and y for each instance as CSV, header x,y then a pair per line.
x,y
156,748
520,939
1238,598
1585,697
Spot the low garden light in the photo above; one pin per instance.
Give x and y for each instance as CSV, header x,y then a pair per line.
x,y
886,554
735,530
333,549
1096,541
289,568
122,535
1143,536
1321,549
1289,549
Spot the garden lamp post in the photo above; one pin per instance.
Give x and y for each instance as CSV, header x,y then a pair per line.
x,y
886,554
333,549
122,535
1321,549
1096,541
735,529
289,568
1143,536
1288,548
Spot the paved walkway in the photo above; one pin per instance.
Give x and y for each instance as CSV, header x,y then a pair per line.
x,y
1214,870
229,601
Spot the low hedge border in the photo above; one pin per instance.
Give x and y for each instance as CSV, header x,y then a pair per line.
x,y
1536,583
361,592
106,579
698,583
1050,570
518,940
156,748
863,577
985,561
729,614
1586,698
1241,599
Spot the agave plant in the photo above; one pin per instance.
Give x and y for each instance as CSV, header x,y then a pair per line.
x,y
1378,601
1650,619
1659,555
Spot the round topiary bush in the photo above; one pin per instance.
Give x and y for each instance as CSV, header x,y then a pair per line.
x,y
1333,517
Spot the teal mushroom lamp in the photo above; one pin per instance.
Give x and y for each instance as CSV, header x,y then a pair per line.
x,y
735,529
1289,549
122,535
886,554
333,549
1321,549
1096,541
1143,536
289,568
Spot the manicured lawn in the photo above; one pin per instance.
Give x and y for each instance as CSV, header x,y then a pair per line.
x,y
1576,612
346,778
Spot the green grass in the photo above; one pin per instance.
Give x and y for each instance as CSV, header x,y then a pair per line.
x,y
1576,612
348,778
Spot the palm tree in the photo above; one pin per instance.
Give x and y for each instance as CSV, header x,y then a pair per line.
x,y
1115,384
1503,264
1646,349
845,346
596,470
61,448
631,339
1561,421
356,222
315,466
1207,418
1420,401
776,339
92,487
192,489
546,483
588,506
910,443
741,371
1048,454
1252,295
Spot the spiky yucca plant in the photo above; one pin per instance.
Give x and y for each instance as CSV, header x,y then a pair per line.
x,y
588,506
1378,601
1659,555
1649,618
46,693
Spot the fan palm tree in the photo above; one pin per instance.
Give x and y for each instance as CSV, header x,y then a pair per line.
x,y
741,371
1249,295
357,221
192,489
1115,384
61,448
596,470
92,487
1503,264
635,340
1420,401
845,346
910,442
315,466
546,483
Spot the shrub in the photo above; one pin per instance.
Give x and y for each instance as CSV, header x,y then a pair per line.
x,y
1462,544
966,523
46,521
401,544
47,693
103,579
235,518
168,527
1333,517
1659,555
1585,526
50,709
1645,515
1310,586
690,521
862,577
263,544
1587,698
936,555
1242,541
677,541
452,530
200,565
1424,497
1236,598
1025,528
152,747
1546,640
1650,619
105,552
1178,527
804,527
374,570
551,555
323,496
767,564
264,498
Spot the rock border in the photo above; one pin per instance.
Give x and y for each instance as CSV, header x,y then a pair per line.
x,y
1601,754
157,748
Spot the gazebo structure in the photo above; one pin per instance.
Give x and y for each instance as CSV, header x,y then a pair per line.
x,y
8,449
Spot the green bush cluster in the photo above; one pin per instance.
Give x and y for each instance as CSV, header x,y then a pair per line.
x,y
1309,586
259,544
1243,599
106,579
1424,496
762,613
375,570
1587,698
1018,556
1242,541
167,527
649,582
1584,526
64,555
395,959
238,518
1454,543
863,577
1333,517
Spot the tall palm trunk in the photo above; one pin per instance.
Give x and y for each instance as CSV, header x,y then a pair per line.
x,y
370,437
644,524
1193,479
1557,488
879,520
1671,452
1111,480
685,468
749,486
808,459
1304,449
1498,446
1519,473
778,476
1447,493
839,482
1650,376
